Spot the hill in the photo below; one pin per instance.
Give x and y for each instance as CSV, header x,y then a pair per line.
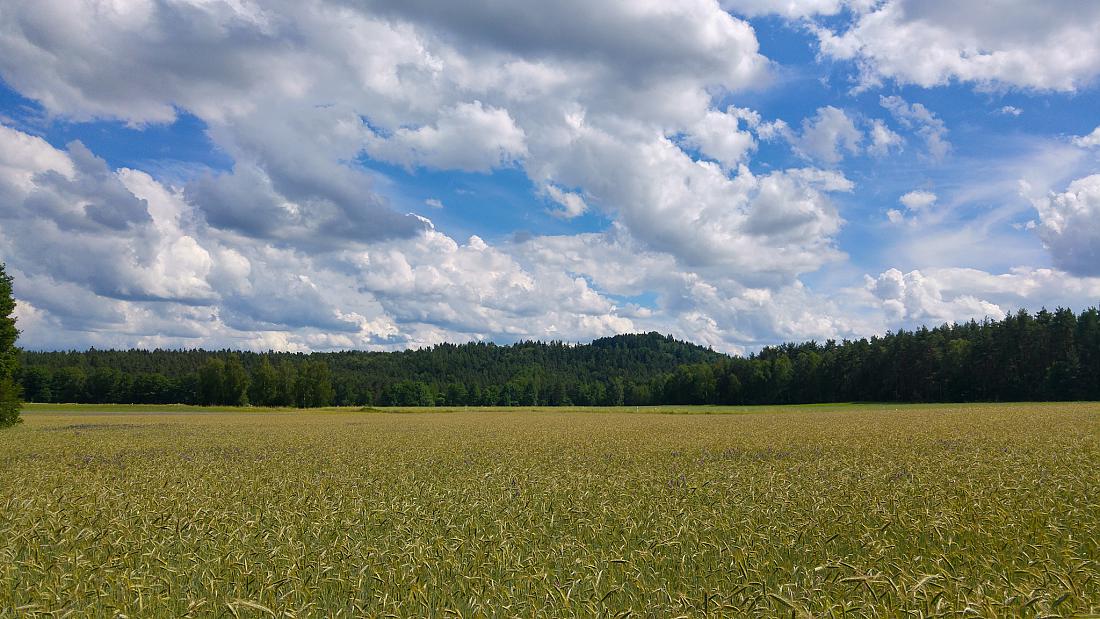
x,y
609,370
1022,357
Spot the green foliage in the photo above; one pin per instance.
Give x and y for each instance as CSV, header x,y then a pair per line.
x,y
10,403
1045,356
315,385
478,374
235,383
829,511
211,382
264,390
1034,357
10,391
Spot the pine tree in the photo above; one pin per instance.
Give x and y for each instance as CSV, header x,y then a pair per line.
x,y
10,398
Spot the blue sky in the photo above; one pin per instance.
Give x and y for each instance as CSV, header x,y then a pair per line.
x,y
382,175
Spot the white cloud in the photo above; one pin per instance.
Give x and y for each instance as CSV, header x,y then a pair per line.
x,y
883,139
474,288
918,200
920,119
913,297
579,95
67,216
25,155
828,135
914,202
471,88
196,285
793,9
606,107
572,204
114,258
774,226
706,305
957,294
469,137
1088,141
1016,43
1070,226
719,135
1010,110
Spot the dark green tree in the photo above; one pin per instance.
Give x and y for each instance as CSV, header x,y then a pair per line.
x,y
11,401
37,384
530,396
235,382
211,382
104,385
315,385
69,384
286,385
151,388
456,394
264,390
615,394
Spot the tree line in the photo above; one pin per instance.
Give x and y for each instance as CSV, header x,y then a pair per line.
x,y
608,371
1023,357
1041,356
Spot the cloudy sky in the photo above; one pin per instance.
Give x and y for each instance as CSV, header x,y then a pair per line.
x,y
377,174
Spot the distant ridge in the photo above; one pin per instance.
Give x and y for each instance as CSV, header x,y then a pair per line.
x,y
604,371
1022,357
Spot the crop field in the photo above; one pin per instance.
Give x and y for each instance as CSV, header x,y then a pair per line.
x,y
945,510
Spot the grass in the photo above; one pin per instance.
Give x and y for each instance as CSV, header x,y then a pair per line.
x,y
946,510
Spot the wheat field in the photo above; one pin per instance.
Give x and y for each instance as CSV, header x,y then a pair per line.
x,y
823,511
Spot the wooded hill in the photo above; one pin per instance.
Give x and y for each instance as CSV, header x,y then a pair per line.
x,y
1041,356
608,371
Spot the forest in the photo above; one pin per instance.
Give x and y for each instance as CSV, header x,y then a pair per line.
x,y
1023,357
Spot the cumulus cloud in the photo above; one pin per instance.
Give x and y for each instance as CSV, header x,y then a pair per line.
x,y
572,204
468,137
196,285
167,278
828,135
883,139
588,99
914,297
68,217
773,226
960,294
1088,141
794,9
723,137
607,108
694,39
301,91
704,304
914,202
1012,44
918,200
921,120
1069,224
1010,110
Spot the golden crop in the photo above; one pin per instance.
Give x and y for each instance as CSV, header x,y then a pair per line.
x,y
987,510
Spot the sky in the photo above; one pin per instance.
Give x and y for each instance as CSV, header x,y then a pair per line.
x,y
376,174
